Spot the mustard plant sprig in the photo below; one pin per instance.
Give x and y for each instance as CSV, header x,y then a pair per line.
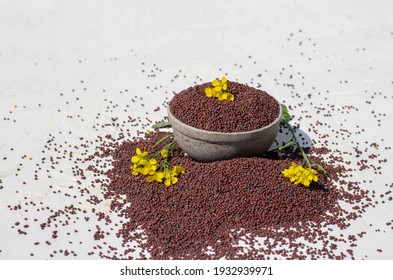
x,y
297,173
219,90
148,165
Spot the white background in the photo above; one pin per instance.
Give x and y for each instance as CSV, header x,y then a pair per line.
x,y
93,51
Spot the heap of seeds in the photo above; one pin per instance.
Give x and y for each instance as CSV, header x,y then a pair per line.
x,y
252,109
216,206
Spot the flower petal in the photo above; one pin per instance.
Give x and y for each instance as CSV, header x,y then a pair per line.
x,y
217,88
215,83
150,179
164,153
174,180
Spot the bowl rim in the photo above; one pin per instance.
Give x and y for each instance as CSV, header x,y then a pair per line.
x,y
228,136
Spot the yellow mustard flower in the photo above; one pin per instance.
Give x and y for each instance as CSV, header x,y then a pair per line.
x,y
226,96
219,90
170,177
164,153
212,92
153,170
178,170
216,83
209,92
157,176
300,175
139,155
149,166
136,169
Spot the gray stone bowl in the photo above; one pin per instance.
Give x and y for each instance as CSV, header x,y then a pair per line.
x,y
208,146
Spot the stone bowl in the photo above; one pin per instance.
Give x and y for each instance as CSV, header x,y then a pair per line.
x,y
208,146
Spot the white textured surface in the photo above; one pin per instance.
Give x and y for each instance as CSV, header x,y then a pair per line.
x,y
340,49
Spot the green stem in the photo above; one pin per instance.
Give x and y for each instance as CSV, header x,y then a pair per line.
x,y
285,122
161,140
283,147
170,147
304,155
287,145
320,168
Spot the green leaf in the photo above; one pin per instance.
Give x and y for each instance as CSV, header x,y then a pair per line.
x,y
284,108
162,125
286,117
